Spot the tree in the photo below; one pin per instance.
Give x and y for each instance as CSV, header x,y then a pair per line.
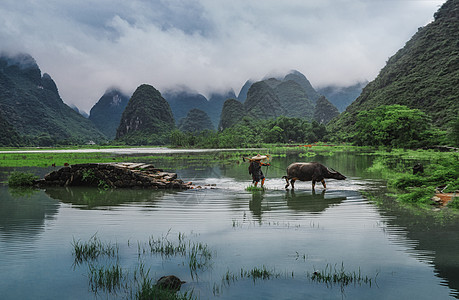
x,y
392,125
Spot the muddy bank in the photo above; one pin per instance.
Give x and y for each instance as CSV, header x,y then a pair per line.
x,y
113,175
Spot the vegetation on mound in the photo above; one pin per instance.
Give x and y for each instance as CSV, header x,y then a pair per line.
x,y
441,172
21,179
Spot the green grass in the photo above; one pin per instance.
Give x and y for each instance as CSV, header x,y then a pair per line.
x,y
252,188
107,278
339,276
21,179
93,249
440,169
148,290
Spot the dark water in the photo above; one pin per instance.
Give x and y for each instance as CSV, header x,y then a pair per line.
x,y
407,253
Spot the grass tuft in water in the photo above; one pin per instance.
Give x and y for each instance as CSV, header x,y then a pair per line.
x,y
331,275
107,278
149,290
199,255
92,249
252,188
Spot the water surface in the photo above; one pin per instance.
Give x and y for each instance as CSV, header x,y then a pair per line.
x,y
407,254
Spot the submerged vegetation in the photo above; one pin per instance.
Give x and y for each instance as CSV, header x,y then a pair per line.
x,y
340,276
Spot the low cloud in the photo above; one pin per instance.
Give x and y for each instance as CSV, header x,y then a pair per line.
x,y
208,45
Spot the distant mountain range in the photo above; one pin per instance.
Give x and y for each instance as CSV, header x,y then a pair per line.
x,y
292,96
183,100
342,97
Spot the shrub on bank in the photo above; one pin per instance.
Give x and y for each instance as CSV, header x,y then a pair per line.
x,y
18,179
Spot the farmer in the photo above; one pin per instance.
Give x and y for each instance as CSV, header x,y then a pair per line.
x,y
255,169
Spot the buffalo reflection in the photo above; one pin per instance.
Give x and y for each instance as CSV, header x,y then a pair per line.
x,y
311,202
303,201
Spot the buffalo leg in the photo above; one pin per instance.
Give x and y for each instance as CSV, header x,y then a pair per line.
x,y
286,179
313,185
292,182
323,183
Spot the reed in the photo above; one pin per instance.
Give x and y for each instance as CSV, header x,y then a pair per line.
x,y
106,278
93,249
331,275
198,254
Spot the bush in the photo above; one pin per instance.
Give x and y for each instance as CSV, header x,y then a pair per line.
x,y
420,195
21,179
404,181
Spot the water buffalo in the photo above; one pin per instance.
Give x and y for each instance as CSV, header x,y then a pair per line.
x,y
310,171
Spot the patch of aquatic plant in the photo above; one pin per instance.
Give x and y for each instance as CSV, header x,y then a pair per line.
x,y
254,274
252,188
106,278
21,179
339,276
149,290
198,254
93,249
307,154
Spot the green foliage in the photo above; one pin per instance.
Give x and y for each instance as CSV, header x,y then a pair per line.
x,y
18,179
232,113
419,196
324,111
454,132
8,135
441,169
454,203
148,290
147,119
195,121
253,133
393,126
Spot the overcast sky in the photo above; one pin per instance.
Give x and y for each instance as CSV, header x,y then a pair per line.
x,y
89,46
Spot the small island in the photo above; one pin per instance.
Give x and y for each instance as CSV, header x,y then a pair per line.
x,y
113,175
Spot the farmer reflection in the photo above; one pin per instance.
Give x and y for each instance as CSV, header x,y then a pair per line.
x,y
255,204
255,169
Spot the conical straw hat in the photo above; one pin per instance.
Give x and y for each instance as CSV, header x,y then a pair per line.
x,y
259,157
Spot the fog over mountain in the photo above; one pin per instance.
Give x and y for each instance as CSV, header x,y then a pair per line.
x,y
208,45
